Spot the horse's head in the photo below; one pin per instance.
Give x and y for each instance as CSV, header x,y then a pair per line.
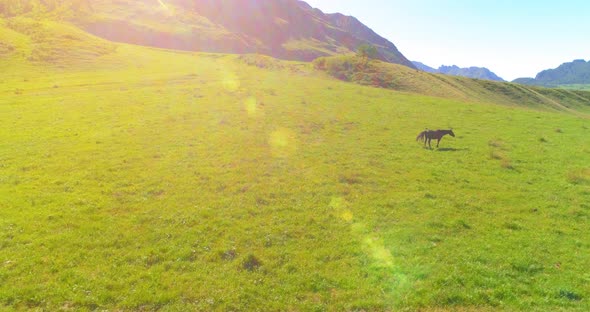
x,y
451,133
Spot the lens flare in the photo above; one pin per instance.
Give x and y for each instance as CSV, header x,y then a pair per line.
x,y
163,5
373,245
283,143
230,82
347,216
338,203
380,254
251,106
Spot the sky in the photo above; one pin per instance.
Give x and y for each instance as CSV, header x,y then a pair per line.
x,y
512,38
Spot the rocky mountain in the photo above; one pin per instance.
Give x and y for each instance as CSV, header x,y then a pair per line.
x,y
571,73
424,67
470,72
287,29
350,24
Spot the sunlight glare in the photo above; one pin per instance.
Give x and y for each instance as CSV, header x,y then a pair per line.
x,y
282,142
380,254
251,104
347,216
341,206
231,82
337,203
163,5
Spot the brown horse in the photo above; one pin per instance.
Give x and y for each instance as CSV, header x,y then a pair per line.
x,y
428,135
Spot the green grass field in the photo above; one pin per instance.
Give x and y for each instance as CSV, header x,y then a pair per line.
x,y
576,87
144,179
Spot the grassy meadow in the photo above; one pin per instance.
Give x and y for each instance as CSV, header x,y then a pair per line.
x,y
158,180
585,87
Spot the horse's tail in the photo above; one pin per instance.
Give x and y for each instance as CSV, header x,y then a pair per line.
x,y
421,136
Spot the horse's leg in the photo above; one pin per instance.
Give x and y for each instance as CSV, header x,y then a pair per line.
x,y
437,142
429,143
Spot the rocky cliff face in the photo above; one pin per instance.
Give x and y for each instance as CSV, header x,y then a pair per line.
x,y
353,26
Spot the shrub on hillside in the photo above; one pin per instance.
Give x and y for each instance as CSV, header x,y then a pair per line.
x,y
367,51
356,69
261,61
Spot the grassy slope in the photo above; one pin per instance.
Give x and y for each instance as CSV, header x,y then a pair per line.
x,y
585,87
49,42
163,180
401,78
128,21
152,15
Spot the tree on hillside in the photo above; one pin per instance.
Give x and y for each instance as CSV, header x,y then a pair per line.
x,y
367,51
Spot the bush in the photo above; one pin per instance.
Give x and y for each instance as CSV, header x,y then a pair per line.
x,y
367,51
355,69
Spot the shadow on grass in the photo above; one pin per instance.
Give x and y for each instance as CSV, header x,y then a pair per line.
x,y
445,149
451,149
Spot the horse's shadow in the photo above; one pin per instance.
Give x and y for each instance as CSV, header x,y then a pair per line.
x,y
445,149
451,149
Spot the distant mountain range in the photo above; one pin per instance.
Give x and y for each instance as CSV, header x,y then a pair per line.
x,y
471,72
572,73
287,29
424,67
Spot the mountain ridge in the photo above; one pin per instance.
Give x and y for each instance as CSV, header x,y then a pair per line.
x,y
454,70
569,73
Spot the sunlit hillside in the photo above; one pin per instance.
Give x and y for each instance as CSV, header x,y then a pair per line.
x,y
401,78
287,29
144,179
50,43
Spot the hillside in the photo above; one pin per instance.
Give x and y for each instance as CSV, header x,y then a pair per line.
x,y
470,72
145,179
574,75
400,78
50,42
287,29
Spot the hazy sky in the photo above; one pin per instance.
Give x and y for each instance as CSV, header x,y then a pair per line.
x,y
513,38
